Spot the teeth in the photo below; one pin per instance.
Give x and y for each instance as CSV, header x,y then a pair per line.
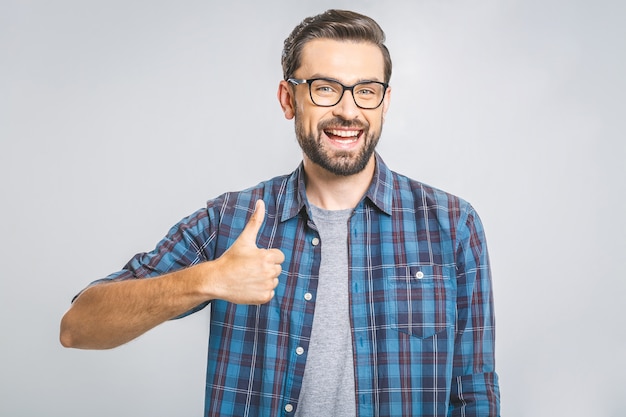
x,y
344,133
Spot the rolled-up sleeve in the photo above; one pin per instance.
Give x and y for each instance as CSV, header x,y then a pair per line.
x,y
187,243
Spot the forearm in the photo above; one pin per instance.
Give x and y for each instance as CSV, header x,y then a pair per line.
x,y
110,314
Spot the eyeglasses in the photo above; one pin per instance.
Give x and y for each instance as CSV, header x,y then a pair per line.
x,y
325,92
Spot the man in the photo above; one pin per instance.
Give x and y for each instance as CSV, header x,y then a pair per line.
x,y
342,289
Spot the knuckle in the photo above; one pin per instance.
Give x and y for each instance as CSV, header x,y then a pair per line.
x,y
267,296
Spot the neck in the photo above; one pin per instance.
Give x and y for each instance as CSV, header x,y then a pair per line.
x,y
335,192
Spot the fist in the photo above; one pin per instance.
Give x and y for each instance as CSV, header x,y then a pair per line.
x,y
247,274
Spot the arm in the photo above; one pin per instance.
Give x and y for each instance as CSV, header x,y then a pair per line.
x,y
110,314
475,390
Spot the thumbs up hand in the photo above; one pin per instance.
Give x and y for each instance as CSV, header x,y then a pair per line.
x,y
246,274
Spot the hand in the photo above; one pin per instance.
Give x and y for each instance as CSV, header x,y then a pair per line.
x,y
247,274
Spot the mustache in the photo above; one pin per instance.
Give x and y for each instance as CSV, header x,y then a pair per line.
x,y
339,122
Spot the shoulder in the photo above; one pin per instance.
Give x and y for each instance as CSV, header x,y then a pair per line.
x,y
409,192
240,204
434,208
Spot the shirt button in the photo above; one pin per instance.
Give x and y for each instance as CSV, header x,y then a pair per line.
x,y
419,275
289,408
299,350
308,296
315,241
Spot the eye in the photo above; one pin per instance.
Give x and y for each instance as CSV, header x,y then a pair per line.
x,y
367,91
323,87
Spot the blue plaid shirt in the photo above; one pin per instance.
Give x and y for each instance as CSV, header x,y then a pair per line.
x,y
421,306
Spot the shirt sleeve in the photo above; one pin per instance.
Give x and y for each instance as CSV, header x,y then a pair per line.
x,y
475,389
187,243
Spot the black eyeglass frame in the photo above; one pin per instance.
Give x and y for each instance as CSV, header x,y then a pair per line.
x,y
297,81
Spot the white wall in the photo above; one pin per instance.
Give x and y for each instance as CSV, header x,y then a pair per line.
x,y
117,118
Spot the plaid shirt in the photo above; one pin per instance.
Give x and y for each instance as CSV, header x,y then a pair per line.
x,y
421,306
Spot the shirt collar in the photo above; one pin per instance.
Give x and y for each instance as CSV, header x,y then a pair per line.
x,y
379,193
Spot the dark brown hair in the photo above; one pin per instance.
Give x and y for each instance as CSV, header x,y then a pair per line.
x,y
339,25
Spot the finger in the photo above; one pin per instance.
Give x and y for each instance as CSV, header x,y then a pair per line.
x,y
275,271
251,230
276,256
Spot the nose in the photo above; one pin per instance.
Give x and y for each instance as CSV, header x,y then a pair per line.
x,y
346,108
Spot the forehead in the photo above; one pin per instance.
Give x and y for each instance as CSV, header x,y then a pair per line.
x,y
346,61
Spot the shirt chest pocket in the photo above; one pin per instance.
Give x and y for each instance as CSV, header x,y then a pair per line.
x,y
423,298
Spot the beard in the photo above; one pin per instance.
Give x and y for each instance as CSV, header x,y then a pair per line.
x,y
342,163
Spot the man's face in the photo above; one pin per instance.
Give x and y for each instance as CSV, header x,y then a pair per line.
x,y
340,139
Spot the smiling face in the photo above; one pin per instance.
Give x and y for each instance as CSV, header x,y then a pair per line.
x,y
340,139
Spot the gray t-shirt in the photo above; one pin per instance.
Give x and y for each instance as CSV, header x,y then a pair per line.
x,y
328,384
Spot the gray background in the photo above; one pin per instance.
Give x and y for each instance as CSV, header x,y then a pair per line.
x,y
117,118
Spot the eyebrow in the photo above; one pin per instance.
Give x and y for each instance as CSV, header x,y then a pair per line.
x,y
360,80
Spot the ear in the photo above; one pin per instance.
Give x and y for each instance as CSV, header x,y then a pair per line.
x,y
386,102
286,99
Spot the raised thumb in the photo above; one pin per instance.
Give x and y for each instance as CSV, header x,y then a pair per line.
x,y
253,226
